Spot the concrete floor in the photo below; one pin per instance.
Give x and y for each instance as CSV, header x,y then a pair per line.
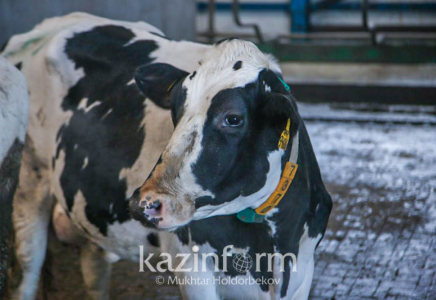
x,y
381,239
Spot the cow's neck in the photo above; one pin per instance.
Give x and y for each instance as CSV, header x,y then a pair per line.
x,y
289,169
300,204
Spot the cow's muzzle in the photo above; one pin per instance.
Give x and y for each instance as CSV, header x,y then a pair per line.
x,y
160,211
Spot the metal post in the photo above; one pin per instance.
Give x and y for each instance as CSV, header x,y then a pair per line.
x,y
235,10
211,21
300,16
365,14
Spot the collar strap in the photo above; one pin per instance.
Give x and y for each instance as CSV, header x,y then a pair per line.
x,y
258,215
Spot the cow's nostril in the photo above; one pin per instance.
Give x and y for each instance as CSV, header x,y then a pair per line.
x,y
153,209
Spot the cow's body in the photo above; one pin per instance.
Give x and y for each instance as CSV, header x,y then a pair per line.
x,y
13,123
93,138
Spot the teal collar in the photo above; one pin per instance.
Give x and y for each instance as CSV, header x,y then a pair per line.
x,y
248,215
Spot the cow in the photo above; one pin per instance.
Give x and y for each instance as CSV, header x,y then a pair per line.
x,y
210,128
14,105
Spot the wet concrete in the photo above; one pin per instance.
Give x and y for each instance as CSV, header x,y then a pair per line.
x,y
381,239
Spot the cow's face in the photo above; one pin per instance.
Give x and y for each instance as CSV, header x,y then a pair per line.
x,y
223,155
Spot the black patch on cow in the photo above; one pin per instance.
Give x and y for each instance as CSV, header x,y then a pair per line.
x,y
110,135
227,157
9,172
222,231
178,99
226,40
159,35
237,65
156,81
19,65
183,234
153,239
193,75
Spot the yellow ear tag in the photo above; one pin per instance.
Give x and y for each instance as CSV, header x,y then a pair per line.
x,y
284,138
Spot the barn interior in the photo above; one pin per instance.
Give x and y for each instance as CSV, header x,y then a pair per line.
x,y
364,75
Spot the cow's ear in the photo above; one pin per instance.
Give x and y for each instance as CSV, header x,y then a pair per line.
x,y
273,82
278,104
277,109
156,81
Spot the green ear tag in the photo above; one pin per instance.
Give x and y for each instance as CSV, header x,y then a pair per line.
x,y
250,216
284,84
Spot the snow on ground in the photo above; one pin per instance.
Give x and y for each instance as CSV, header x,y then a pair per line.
x,y
381,240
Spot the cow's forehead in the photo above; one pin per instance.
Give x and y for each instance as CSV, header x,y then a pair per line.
x,y
230,64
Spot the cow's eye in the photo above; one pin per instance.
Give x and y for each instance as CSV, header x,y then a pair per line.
x,y
233,121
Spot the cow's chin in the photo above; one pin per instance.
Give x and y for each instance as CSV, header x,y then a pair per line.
x,y
170,226
164,223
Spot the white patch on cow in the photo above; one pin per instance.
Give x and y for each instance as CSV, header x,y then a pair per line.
x,y
132,81
185,183
270,222
253,200
267,87
14,106
112,257
216,72
191,53
159,128
85,163
56,186
123,240
301,281
84,105
106,114
235,250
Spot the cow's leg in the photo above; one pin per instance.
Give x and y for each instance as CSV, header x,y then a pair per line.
x,y
31,216
31,233
301,281
96,270
30,220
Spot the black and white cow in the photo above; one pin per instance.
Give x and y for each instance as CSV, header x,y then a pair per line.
x,y
94,138
14,105
225,157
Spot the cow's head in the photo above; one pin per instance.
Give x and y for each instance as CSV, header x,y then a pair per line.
x,y
223,156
